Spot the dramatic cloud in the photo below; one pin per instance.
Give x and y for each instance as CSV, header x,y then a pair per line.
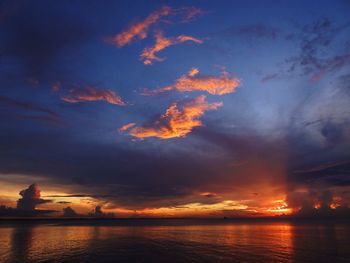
x,y
148,55
268,145
99,213
30,198
139,30
92,94
177,121
318,202
193,81
69,212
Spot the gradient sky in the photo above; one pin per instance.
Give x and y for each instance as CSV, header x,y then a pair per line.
x,y
186,108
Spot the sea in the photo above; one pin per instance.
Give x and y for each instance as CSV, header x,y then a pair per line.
x,y
173,240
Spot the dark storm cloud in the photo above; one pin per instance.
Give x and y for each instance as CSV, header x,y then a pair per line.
x,y
319,172
135,178
99,213
335,174
26,205
30,198
69,212
317,203
37,33
110,172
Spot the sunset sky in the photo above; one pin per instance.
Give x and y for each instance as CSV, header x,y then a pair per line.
x,y
172,109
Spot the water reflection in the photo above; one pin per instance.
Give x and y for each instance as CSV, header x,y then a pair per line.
x,y
229,242
21,242
321,243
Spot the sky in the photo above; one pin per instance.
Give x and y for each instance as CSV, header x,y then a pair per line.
x,y
175,109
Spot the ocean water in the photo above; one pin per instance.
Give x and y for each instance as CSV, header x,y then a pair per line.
x,y
174,241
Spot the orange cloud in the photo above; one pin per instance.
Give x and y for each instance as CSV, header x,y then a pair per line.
x,y
91,94
177,121
126,127
148,54
139,29
192,81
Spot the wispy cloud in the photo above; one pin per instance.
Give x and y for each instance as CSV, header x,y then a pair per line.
x,y
189,13
330,65
316,57
253,31
148,55
193,81
126,127
92,94
176,122
25,105
139,30
27,110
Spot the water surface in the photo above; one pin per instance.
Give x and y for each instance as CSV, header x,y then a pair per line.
x,y
175,241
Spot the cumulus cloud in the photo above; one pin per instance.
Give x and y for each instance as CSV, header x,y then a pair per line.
x,y
177,121
139,30
69,212
92,94
193,81
99,213
148,55
30,198
318,202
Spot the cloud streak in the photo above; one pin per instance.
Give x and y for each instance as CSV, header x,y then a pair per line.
x,y
193,81
148,55
92,94
176,122
26,106
22,110
139,30
126,127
